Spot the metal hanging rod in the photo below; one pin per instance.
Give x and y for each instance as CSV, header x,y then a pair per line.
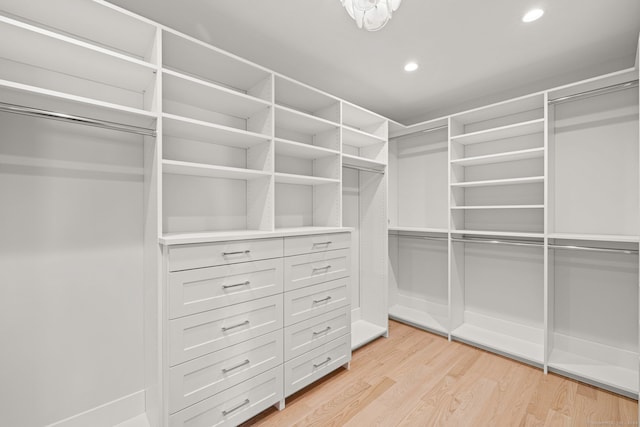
x,y
433,129
35,112
598,91
413,236
362,168
595,249
497,242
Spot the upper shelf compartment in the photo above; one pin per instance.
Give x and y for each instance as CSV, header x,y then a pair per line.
x,y
199,60
364,121
102,24
44,59
302,98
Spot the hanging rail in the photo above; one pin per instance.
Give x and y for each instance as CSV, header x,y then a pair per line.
x,y
362,168
35,112
594,249
497,242
598,91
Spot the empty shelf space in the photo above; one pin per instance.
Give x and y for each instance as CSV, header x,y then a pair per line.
x,y
287,178
513,234
498,207
197,169
511,156
297,96
359,118
198,130
296,121
51,51
362,162
208,96
492,182
363,332
502,132
501,343
419,318
596,372
595,237
358,138
44,99
300,150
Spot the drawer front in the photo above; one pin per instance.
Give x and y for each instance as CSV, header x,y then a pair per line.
x,y
309,334
200,334
185,257
299,245
194,291
305,303
311,269
235,405
205,376
311,366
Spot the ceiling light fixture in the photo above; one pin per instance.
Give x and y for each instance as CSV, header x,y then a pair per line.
x,y
532,15
411,66
371,15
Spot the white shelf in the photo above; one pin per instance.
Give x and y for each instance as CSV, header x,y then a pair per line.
x,y
419,318
358,138
595,237
498,233
297,96
494,182
511,156
297,121
198,130
301,150
48,50
502,132
501,109
169,239
502,343
418,229
196,169
363,332
44,99
208,96
595,371
287,178
359,118
362,162
498,207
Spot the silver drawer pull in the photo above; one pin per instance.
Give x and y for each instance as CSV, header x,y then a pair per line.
x,y
236,253
326,267
225,370
327,329
236,285
316,301
227,412
322,243
322,363
226,328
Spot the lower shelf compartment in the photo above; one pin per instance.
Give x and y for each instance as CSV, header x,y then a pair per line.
x,y
363,332
502,343
422,319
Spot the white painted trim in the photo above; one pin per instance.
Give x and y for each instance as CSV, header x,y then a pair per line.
x,y
108,414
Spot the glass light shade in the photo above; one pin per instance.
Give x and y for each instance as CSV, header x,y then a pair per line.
x,y
372,15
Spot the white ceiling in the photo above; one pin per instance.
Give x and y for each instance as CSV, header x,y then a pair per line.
x,y
470,51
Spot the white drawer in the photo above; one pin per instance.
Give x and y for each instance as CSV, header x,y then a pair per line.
x,y
235,405
310,269
309,334
184,257
311,366
203,333
194,291
205,376
298,245
305,303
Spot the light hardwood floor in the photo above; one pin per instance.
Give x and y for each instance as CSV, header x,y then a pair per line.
x,y
414,378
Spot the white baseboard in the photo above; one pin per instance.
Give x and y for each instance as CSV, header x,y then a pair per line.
x,y
125,409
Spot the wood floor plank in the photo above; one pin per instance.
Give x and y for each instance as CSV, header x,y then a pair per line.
x,y
414,378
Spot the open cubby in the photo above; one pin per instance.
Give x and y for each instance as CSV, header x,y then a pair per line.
x,y
300,203
302,98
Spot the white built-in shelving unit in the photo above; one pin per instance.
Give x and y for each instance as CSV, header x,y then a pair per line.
x,y
533,204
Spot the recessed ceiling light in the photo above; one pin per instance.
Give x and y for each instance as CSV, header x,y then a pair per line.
x,y
532,15
411,66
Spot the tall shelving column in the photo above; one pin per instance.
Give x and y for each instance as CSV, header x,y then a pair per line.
x,y
364,204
